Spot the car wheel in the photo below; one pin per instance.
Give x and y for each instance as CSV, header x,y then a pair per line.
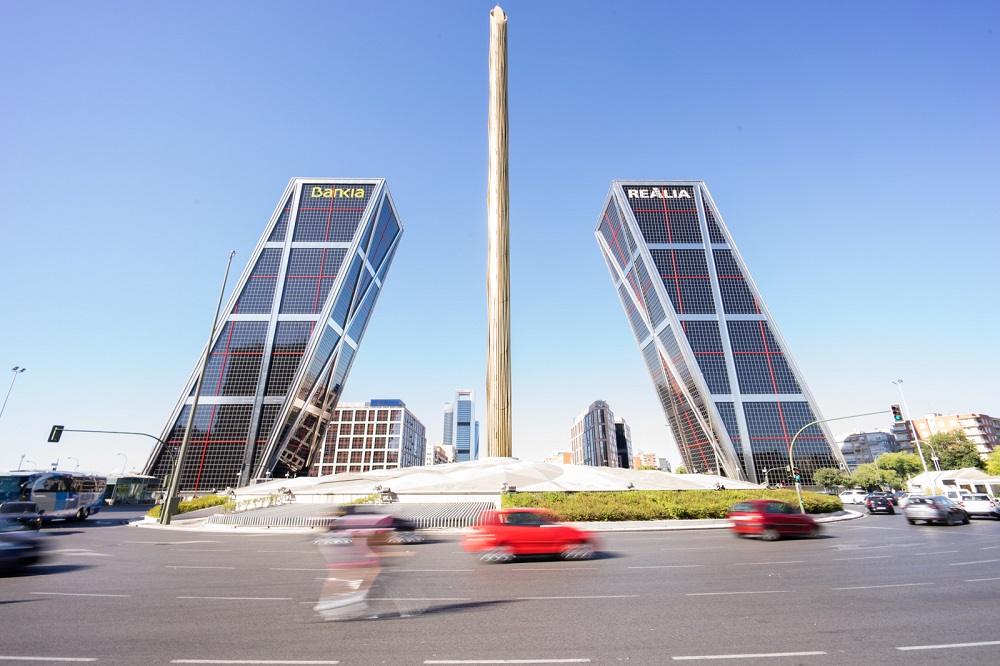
x,y
770,534
911,521
814,532
578,551
497,555
892,512
965,519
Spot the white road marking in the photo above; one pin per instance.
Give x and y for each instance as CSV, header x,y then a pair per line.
x,y
715,594
947,646
185,566
292,569
669,566
240,598
745,564
507,661
170,543
958,564
249,661
78,551
81,594
874,587
978,580
872,557
595,596
5,657
762,655
940,552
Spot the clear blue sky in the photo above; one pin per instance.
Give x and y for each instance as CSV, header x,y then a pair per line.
x,y
851,148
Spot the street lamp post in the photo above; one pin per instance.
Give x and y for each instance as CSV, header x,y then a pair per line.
x,y
791,447
77,463
182,450
124,464
16,370
899,384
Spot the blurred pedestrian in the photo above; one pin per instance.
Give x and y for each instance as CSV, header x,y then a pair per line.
x,y
353,550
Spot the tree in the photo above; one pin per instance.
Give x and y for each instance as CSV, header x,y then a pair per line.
x,y
993,463
828,477
903,464
870,476
954,450
681,469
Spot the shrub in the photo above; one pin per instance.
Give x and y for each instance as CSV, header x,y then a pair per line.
x,y
192,504
659,504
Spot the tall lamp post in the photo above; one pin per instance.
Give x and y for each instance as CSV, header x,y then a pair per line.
x,y
179,465
16,370
899,384
77,463
124,464
791,447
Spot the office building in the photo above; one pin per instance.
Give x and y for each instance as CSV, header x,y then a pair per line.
x,y
981,429
861,448
623,443
461,429
733,398
592,437
285,343
366,436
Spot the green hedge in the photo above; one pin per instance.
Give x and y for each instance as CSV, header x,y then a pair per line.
x,y
192,505
659,504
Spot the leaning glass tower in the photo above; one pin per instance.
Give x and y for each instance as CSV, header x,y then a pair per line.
x,y
286,340
733,397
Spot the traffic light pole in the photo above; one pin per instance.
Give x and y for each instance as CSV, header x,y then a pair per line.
x,y
791,460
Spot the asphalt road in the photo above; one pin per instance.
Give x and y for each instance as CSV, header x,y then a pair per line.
x,y
872,590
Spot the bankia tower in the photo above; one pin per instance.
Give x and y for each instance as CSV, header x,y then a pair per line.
x,y
285,343
732,395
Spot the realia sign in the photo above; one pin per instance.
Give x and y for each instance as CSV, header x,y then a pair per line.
x,y
658,193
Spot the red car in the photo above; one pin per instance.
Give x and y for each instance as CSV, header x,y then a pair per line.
x,y
501,535
771,520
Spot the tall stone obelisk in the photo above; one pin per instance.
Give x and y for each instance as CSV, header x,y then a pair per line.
x,y
498,417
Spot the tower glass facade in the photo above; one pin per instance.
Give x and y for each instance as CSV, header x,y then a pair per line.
x,y
461,430
285,343
732,395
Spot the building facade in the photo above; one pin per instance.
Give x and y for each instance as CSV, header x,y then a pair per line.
x,y
733,397
461,429
281,354
366,436
592,437
623,443
862,448
981,429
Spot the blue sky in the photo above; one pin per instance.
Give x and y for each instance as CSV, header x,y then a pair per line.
x,y
851,148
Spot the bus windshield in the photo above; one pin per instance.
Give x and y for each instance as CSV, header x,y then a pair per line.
x,y
12,488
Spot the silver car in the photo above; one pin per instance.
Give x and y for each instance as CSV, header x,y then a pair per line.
x,y
934,508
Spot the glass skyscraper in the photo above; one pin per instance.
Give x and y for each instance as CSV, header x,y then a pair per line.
x,y
733,397
461,430
286,340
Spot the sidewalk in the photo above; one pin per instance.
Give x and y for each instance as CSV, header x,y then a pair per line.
x,y
201,523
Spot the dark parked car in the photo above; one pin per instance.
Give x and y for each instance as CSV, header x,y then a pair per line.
x,y
879,503
771,520
501,535
934,508
25,515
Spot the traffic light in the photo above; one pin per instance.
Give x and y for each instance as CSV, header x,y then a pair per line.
x,y
897,414
55,433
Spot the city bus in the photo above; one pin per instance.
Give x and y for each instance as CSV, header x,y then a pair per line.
x,y
66,495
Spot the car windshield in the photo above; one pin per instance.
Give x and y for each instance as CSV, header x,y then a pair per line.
x,y
18,507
